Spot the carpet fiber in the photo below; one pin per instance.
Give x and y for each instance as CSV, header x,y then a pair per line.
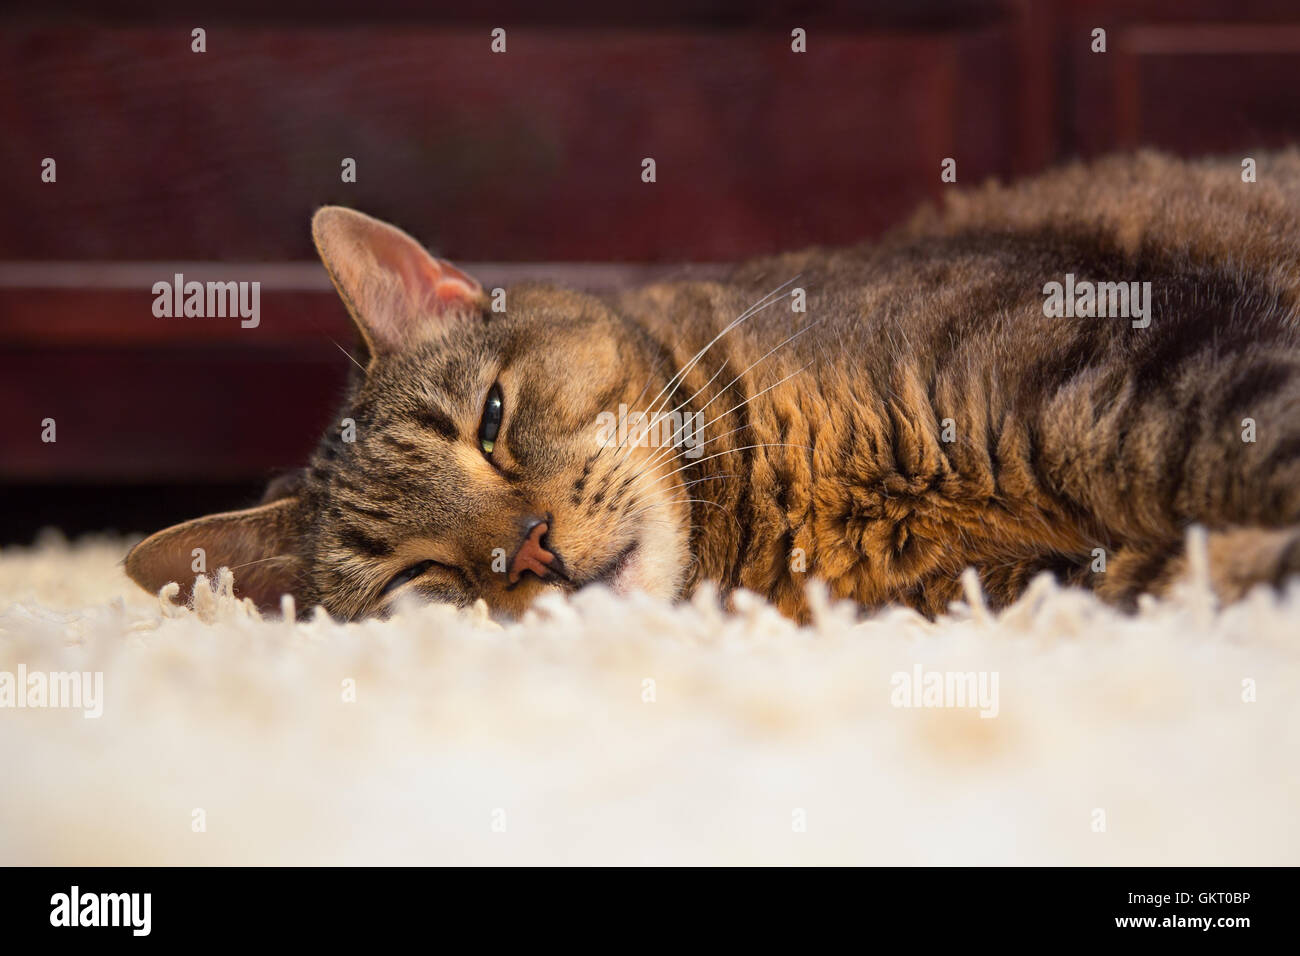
x,y
608,730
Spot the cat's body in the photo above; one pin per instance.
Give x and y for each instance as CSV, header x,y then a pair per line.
x,y
921,416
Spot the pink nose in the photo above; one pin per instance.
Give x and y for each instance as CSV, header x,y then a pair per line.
x,y
531,556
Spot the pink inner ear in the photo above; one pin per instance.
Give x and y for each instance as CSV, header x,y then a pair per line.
x,y
427,280
449,290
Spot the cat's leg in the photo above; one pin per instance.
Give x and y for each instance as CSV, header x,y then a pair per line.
x,y
1237,560
1217,445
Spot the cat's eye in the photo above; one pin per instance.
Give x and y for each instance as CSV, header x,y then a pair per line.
x,y
405,576
491,423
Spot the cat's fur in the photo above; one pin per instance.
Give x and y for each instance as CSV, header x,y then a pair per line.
x,y
824,456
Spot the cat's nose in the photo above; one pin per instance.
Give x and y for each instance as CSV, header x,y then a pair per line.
x,y
532,556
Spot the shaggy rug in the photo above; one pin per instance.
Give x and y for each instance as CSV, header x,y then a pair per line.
x,y
620,730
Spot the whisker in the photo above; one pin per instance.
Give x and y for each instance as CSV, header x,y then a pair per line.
x,y
684,484
730,451
249,564
751,398
748,313
660,457
659,415
723,391
694,481
688,501
348,354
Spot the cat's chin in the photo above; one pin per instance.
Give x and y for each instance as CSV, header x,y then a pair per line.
x,y
623,573
648,565
634,571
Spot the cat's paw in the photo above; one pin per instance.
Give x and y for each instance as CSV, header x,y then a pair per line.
x,y
1241,559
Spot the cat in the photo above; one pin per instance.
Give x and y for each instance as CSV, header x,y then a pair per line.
x,y
877,418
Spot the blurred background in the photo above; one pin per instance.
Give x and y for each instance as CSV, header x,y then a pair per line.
x,y
526,163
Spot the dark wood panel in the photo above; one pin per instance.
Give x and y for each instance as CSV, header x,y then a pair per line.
x,y
568,14
1193,98
1173,81
531,155
1107,13
164,414
84,506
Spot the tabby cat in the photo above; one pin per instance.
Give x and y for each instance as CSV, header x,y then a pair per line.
x,y
878,417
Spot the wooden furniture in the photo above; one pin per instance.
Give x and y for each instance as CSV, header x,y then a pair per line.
x,y
210,164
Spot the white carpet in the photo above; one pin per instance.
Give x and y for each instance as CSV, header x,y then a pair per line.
x,y
469,743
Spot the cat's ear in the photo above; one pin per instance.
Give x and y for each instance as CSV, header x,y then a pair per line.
x,y
395,291
260,545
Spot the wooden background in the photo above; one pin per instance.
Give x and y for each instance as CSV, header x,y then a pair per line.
x,y
211,164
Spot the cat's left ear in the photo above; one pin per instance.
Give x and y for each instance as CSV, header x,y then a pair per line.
x,y
396,292
260,545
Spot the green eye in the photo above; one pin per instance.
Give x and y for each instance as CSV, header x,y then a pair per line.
x,y
491,423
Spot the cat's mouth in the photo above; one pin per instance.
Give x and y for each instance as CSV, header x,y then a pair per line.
x,y
614,571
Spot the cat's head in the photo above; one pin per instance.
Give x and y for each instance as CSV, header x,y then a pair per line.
x,y
472,457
